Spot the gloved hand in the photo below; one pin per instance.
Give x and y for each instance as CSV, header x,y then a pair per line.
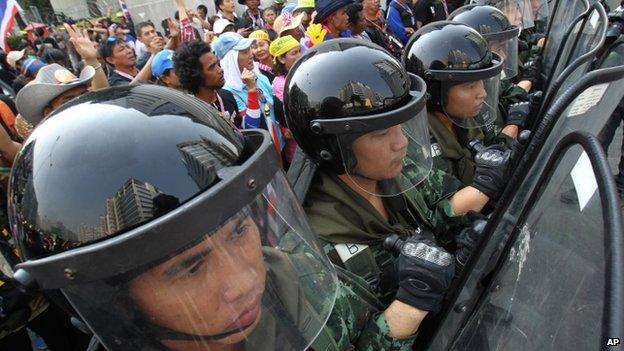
x,y
425,274
518,114
533,39
468,239
535,98
523,45
316,32
531,70
492,166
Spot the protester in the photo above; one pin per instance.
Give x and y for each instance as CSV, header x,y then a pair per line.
x,y
260,51
287,24
252,90
53,86
7,73
269,15
331,21
375,22
162,69
15,59
200,74
401,22
225,10
306,7
146,34
427,11
357,22
29,70
286,51
252,17
222,26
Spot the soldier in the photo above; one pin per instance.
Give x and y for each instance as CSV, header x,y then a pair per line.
x,y
462,76
361,117
502,39
172,230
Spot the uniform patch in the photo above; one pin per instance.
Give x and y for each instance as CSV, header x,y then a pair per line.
x,y
436,150
347,251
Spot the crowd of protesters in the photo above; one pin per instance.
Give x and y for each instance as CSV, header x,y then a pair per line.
x,y
237,63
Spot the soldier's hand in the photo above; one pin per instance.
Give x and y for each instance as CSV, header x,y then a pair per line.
x,y
531,70
534,39
425,274
468,239
492,167
518,114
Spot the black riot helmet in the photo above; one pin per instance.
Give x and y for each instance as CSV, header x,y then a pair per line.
x,y
345,89
461,72
494,26
166,228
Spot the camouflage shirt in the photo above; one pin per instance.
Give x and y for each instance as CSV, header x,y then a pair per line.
x,y
353,231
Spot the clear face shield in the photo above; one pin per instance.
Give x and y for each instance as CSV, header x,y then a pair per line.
x,y
470,97
250,277
518,12
388,153
505,45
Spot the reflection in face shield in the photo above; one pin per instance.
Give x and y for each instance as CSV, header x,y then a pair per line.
x,y
222,278
466,100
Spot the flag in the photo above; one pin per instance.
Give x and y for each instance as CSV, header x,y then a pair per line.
x,y
8,10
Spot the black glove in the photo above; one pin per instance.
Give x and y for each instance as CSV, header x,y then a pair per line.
x,y
491,169
534,38
523,45
535,98
425,274
518,114
531,70
468,239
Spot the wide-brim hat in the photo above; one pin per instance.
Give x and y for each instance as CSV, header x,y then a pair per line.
x,y
287,22
51,81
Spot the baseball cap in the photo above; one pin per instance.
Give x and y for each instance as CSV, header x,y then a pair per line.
x,y
14,56
161,62
260,35
51,81
220,24
230,41
32,65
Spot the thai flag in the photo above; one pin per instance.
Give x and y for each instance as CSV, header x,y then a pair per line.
x,y
9,9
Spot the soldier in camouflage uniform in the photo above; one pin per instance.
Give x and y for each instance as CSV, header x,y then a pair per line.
x,y
185,235
462,76
360,116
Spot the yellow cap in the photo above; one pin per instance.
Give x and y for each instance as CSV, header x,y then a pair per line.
x,y
282,45
260,35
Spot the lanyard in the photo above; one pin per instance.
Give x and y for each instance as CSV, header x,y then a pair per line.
x,y
125,75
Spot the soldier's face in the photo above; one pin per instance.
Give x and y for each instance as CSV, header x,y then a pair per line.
x,y
466,100
214,289
380,153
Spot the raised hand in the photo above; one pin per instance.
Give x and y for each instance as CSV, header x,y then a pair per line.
x,y
80,39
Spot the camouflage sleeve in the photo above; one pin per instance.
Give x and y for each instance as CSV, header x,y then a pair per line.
x,y
435,193
512,94
358,324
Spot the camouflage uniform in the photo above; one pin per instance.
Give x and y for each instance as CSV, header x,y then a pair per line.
x,y
449,151
353,231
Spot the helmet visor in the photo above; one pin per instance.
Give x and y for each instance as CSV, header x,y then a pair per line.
x,y
258,280
471,104
519,12
506,46
388,161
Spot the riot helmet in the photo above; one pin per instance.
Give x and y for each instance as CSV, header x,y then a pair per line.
x,y
493,25
518,12
462,74
353,108
166,228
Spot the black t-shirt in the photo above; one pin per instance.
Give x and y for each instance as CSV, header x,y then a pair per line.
x,y
229,105
427,11
115,79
